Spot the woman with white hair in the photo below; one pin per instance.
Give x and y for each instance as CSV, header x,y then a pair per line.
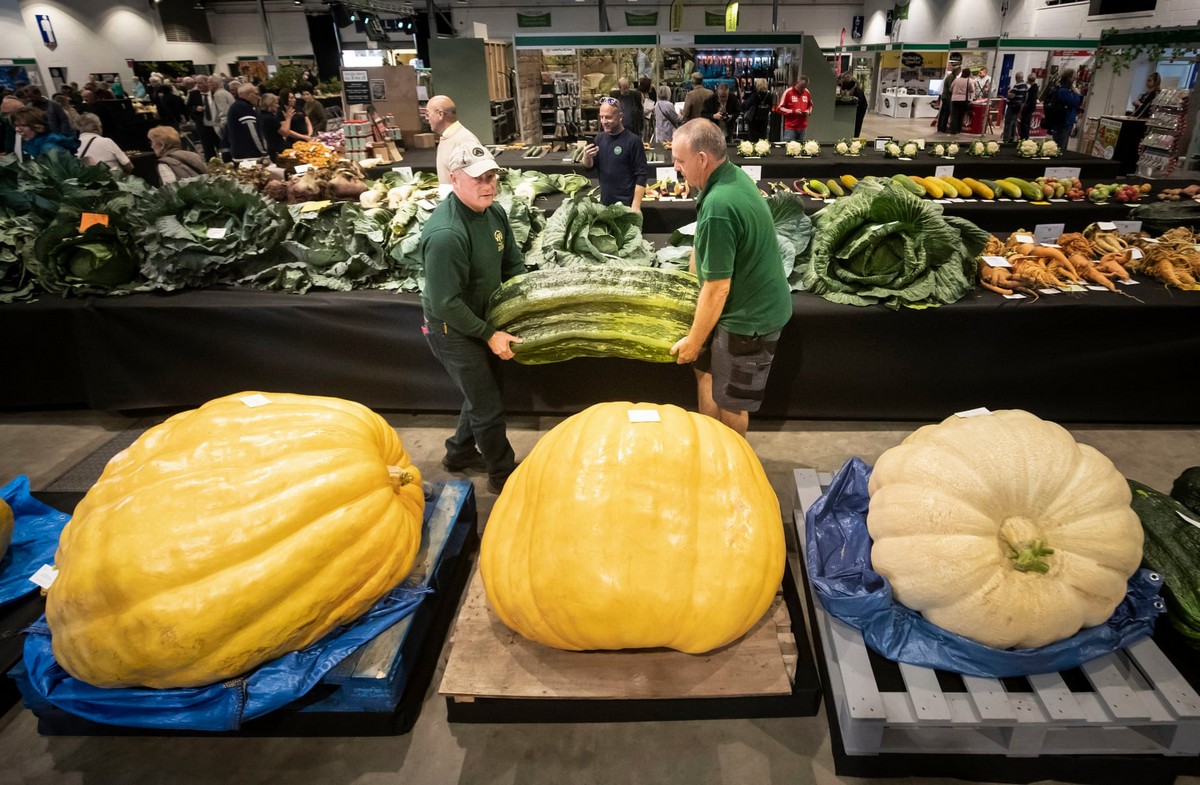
x,y
95,148
666,119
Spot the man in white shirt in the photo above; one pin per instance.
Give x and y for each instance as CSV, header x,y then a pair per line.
x,y
443,119
12,141
95,148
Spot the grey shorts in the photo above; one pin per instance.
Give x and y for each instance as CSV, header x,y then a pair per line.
x,y
739,365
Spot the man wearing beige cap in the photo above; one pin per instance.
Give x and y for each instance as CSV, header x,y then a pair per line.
x,y
468,248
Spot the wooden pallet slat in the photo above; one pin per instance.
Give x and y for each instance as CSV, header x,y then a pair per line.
x,y
1139,703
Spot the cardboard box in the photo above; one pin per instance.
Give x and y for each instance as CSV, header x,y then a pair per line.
x,y
422,140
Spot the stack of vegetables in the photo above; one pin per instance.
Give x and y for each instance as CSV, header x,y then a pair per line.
x,y
1171,258
883,245
1172,527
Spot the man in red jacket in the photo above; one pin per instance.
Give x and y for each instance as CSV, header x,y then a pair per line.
x,y
795,106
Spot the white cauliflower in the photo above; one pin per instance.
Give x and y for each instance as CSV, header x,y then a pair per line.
x,y
762,147
525,190
794,148
842,148
892,149
910,150
993,148
1049,147
745,148
952,149
812,148
855,148
939,150
976,148
1028,147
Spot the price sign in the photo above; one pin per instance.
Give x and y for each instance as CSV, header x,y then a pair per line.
x,y
665,173
755,172
881,142
404,170
996,261
216,232
1061,172
977,412
1127,227
92,219
1047,233
944,171
644,415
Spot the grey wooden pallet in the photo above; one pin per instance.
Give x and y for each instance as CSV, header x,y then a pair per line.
x,y
1138,702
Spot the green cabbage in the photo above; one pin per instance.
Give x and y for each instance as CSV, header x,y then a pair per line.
x,y
101,260
582,231
882,244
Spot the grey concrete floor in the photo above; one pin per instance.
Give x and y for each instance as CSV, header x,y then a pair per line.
x,y
43,445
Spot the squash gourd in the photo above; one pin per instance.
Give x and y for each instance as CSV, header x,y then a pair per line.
x,y
230,535
1003,529
615,534
6,527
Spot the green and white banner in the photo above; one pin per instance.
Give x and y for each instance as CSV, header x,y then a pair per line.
x,y
641,18
533,20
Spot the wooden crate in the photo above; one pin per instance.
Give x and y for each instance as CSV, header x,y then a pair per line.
x,y
377,690
1129,714
497,56
495,675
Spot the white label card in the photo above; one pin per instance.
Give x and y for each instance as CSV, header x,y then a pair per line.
x,y
249,163
1049,291
1047,233
755,172
1106,226
404,170
254,401
44,576
1098,288
944,171
216,232
996,261
1135,253
1128,282
1050,245
644,415
1177,512
666,173
1014,297
302,168
881,142
1061,172
1126,227
977,412
1023,238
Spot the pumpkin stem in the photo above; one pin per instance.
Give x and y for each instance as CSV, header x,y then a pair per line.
x,y
1028,557
399,477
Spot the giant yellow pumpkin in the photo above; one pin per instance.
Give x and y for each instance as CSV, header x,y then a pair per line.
x,y
1003,529
6,527
230,535
615,534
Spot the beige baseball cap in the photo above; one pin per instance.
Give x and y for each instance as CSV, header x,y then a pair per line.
x,y
474,159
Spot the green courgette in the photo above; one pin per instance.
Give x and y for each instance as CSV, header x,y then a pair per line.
x,y
634,312
1186,489
1172,548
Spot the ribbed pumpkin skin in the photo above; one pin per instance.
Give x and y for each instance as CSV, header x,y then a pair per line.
x,y
620,535
950,502
6,527
228,536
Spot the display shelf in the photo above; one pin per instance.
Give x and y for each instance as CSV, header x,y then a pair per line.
x,y
561,115
1128,716
1168,134
380,688
495,675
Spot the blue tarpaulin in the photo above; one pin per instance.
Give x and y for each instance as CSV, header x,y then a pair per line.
x,y
35,539
216,707
838,559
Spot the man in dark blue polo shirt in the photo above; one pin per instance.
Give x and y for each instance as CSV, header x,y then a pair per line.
x,y
619,158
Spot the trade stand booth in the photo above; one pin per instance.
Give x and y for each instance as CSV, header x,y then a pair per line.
x,y
910,79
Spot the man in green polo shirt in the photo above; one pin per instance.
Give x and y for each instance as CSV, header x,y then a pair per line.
x,y
468,248
744,297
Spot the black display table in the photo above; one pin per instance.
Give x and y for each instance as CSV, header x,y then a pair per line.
x,y
1067,357
778,166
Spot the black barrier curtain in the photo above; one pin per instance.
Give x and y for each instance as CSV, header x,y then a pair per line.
x,y
325,45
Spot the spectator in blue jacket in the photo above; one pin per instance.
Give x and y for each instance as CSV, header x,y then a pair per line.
x,y
1014,103
1072,100
32,126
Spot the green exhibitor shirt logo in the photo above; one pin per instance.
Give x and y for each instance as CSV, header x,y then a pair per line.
x,y
617,150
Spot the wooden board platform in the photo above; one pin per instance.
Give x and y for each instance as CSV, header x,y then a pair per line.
x,y
495,675
377,690
1126,717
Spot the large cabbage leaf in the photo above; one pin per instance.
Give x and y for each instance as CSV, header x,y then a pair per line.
x,y
17,232
339,246
207,231
883,245
582,231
